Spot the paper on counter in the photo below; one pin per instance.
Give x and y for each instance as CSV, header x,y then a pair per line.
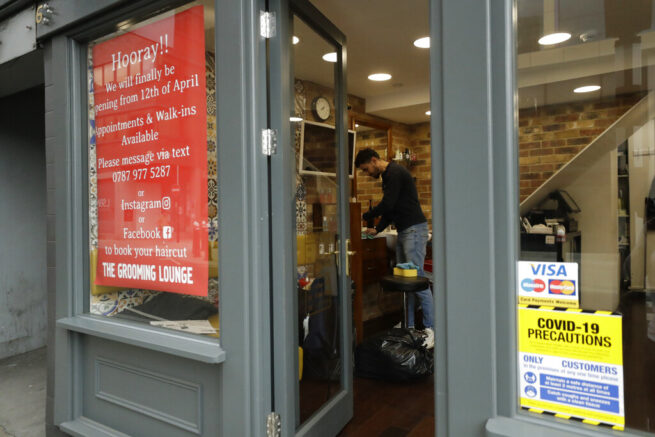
x,y
192,326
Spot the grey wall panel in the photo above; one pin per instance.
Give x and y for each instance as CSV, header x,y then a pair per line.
x,y
133,388
17,35
141,392
67,12
23,220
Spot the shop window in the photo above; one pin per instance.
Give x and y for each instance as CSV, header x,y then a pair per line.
x,y
586,285
153,195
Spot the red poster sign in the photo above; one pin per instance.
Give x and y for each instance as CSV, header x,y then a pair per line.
x,y
151,156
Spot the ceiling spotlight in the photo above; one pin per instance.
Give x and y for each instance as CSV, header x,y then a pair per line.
x,y
330,57
554,38
423,43
295,119
586,89
356,125
379,77
428,112
295,40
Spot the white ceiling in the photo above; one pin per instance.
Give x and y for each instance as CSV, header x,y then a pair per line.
x,y
380,34
379,39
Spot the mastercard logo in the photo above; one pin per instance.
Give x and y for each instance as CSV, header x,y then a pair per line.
x,y
555,286
536,285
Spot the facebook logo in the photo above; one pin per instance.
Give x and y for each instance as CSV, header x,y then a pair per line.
x,y
167,232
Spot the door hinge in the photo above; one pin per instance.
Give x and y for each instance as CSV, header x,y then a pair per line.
x,y
269,142
267,24
273,425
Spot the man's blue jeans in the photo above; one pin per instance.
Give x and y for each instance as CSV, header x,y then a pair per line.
x,y
410,247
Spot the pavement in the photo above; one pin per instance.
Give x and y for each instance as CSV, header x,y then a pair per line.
x,y
23,394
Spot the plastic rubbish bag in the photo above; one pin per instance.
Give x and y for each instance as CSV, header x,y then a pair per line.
x,y
394,355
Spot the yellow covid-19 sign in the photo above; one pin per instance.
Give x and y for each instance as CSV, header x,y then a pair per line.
x,y
571,363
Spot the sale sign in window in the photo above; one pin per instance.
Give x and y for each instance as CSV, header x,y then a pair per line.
x,y
149,101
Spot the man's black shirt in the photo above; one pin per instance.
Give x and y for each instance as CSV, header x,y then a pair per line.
x,y
400,203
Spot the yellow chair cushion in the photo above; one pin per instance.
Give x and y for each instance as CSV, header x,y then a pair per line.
x,y
407,273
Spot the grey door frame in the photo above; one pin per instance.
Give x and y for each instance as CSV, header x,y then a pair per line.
x,y
475,201
244,305
335,413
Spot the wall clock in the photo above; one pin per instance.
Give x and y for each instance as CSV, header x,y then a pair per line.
x,y
321,108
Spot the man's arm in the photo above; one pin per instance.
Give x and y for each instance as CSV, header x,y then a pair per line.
x,y
384,222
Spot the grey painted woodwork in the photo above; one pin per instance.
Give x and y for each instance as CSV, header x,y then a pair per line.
x,y
233,397
339,409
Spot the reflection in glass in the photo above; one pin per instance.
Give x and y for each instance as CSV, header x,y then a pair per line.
x,y
594,148
317,215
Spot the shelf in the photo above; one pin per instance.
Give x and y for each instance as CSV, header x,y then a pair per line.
x,y
624,175
624,216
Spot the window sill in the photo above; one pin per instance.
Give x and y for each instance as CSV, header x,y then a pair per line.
x,y
82,427
544,427
180,344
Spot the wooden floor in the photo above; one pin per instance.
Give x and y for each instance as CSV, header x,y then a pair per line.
x,y
392,409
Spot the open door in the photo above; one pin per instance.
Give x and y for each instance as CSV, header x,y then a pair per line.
x,y
310,188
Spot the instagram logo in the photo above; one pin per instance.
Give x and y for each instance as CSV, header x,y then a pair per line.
x,y
167,232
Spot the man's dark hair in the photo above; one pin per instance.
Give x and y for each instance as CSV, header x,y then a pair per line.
x,y
364,156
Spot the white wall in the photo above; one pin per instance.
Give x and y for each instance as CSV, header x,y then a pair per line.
x,y
641,167
595,190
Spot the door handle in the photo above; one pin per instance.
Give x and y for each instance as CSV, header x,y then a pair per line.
x,y
349,253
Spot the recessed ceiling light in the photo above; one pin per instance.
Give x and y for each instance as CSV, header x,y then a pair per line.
x,y
428,112
356,125
295,119
330,57
379,77
554,38
295,40
586,89
423,43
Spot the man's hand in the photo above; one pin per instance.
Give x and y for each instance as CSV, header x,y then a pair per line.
x,y
370,231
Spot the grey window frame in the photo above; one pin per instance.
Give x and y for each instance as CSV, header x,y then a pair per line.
x,y
244,266
474,170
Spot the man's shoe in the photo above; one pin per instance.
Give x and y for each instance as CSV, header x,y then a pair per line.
x,y
428,343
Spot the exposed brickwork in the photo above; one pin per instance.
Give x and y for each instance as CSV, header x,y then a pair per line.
x,y
369,190
422,169
551,136
414,137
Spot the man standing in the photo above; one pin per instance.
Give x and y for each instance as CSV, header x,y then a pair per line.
x,y
401,207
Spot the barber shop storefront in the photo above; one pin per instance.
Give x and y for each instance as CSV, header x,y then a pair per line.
x,y
209,271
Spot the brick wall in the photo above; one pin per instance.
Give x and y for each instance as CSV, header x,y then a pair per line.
x,y
551,136
369,190
421,170
414,137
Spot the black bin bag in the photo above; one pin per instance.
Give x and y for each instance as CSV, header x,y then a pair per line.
x,y
394,355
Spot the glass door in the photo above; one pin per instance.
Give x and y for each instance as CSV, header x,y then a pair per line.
x,y
310,187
